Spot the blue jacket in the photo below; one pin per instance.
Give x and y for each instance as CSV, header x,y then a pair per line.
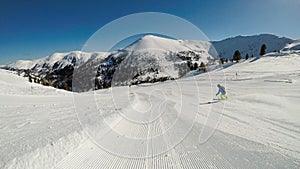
x,y
221,90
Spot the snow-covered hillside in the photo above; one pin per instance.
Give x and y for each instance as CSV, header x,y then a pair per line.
x,y
153,58
54,70
54,62
150,42
38,126
295,46
258,126
250,44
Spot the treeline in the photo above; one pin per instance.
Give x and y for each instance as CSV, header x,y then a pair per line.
x,y
196,66
35,79
64,84
237,56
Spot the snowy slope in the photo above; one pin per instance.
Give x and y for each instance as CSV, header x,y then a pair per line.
x,y
12,84
38,126
250,44
295,46
23,64
258,127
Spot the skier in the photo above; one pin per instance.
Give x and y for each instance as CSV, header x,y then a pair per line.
x,y
222,91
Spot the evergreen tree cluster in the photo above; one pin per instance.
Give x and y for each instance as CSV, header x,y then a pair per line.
x,y
38,80
192,66
237,54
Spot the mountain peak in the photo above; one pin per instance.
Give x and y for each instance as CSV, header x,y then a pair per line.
x,y
152,42
154,37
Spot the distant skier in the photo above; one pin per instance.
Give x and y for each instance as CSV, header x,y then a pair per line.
x,y
222,91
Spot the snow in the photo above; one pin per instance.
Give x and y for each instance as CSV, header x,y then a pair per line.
x,y
266,94
62,59
295,46
258,128
169,58
163,54
18,86
38,125
156,45
166,44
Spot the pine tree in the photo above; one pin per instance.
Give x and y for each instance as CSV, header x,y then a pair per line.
x,y
195,65
30,79
222,61
252,56
65,86
247,56
44,82
237,56
263,49
188,64
203,67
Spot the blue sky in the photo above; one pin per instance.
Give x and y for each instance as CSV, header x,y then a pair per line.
x,y
32,29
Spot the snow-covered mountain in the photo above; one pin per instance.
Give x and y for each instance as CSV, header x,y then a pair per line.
x,y
152,58
150,42
54,70
54,62
250,44
149,59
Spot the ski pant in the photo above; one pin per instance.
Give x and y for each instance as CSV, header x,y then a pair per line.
x,y
223,96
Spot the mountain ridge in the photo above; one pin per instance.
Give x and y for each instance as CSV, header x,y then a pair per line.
x,y
150,58
250,44
219,50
